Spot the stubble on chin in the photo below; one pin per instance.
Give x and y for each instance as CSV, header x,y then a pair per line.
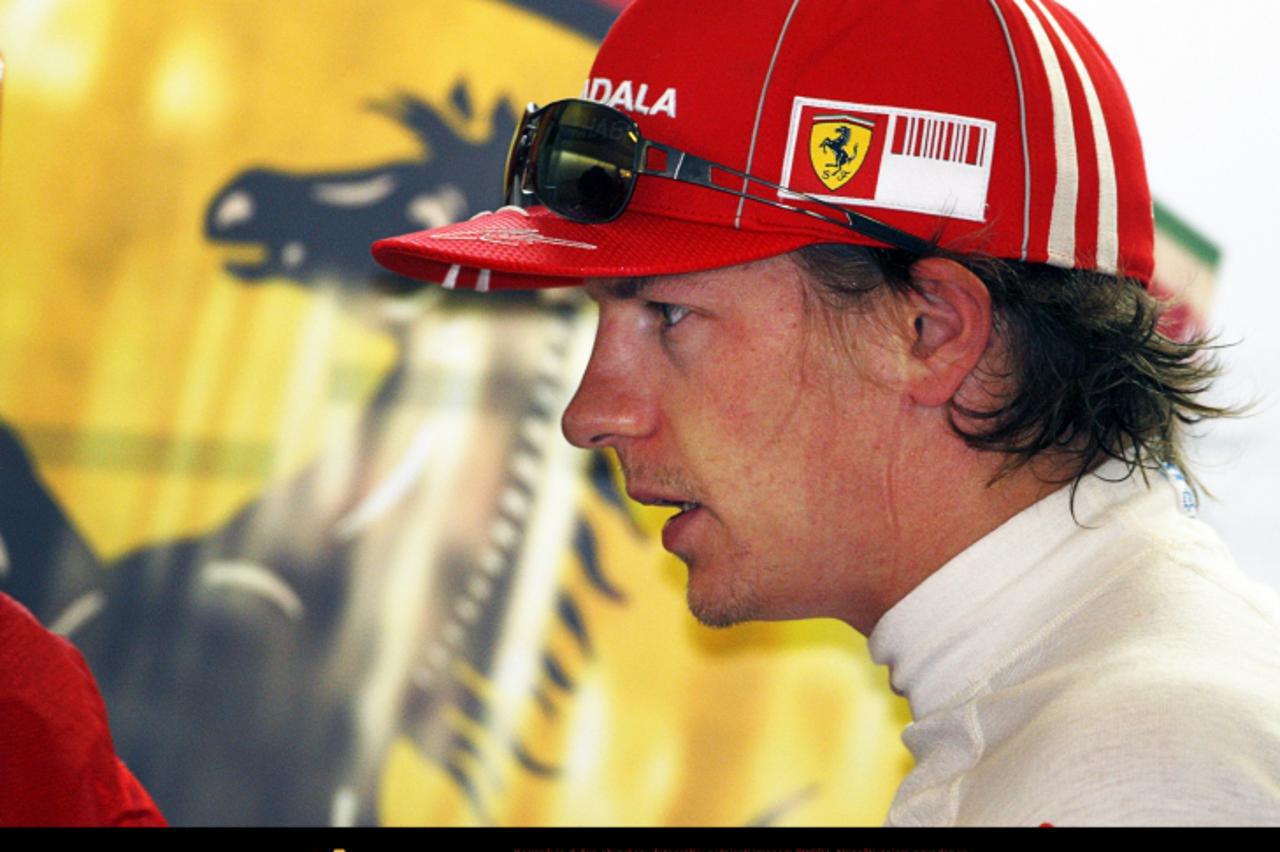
x,y
718,604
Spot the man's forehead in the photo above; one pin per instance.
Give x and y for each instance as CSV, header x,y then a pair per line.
x,y
725,281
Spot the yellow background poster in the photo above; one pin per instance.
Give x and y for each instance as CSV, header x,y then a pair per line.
x,y
314,528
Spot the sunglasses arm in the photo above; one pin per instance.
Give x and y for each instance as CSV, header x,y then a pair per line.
x,y
686,168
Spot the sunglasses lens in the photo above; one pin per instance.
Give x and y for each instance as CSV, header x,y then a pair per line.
x,y
586,160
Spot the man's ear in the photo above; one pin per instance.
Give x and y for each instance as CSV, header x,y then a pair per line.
x,y
950,315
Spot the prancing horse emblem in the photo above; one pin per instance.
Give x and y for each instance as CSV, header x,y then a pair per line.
x,y
838,147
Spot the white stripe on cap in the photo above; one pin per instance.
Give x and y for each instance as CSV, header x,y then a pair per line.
x,y
1062,221
755,129
451,279
482,281
1107,259
1022,112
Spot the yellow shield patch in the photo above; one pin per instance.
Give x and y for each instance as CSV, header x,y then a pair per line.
x,y
838,146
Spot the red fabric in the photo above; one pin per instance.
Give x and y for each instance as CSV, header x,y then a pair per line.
x,y
534,248
59,765
746,87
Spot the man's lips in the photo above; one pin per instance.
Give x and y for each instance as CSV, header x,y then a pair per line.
x,y
676,526
651,498
677,531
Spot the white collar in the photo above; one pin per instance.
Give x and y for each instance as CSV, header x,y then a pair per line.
x,y
950,632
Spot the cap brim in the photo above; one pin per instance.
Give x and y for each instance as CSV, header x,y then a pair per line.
x,y
521,249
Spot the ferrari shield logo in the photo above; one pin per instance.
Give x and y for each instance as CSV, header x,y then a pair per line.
x,y
838,147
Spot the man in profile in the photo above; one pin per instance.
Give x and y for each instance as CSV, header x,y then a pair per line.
x,y
874,319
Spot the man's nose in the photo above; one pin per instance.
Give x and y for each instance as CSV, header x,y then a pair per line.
x,y
611,402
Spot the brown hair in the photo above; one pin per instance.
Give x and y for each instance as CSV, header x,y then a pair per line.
x,y
1091,375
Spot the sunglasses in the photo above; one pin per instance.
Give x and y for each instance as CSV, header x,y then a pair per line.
x,y
581,160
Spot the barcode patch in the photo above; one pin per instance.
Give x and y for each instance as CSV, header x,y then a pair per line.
x,y
949,140
914,160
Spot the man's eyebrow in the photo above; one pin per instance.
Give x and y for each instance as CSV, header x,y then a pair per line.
x,y
622,289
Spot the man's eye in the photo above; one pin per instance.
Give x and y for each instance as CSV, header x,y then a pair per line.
x,y
671,314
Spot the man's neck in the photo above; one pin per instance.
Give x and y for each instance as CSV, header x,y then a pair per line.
x,y
939,516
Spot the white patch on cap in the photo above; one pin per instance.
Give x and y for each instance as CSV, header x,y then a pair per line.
x,y
930,162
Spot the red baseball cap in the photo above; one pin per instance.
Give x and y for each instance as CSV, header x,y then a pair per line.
x,y
996,127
